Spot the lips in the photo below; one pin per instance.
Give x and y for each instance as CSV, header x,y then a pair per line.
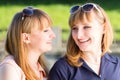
x,y
50,42
83,44
83,41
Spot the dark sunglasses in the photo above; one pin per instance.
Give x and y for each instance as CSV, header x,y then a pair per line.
x,y
27,12
86,8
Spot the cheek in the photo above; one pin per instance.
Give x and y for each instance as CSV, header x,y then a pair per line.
x,y
96,32
97,36
73,35
41,40
38,40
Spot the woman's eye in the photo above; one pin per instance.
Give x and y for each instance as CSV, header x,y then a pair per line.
x,y
86,27
46,30
74,28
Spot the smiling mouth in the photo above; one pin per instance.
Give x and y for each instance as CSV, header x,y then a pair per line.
x,y
83,41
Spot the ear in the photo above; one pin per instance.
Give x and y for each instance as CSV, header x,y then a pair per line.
x,y
26,38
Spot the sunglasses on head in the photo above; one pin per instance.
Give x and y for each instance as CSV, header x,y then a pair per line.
x,y
86,8
27,12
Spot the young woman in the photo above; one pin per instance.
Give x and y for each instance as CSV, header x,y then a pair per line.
x,y
88,46
28,37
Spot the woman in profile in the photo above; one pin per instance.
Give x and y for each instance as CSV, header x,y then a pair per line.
x,y
28,37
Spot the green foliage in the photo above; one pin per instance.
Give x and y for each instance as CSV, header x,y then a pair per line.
x,y
59,12
45,2
2,35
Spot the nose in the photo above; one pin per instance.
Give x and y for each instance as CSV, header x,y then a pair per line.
x,y
53,34
80,34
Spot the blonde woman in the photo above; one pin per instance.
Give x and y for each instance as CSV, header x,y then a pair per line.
x,y
88,46
28,37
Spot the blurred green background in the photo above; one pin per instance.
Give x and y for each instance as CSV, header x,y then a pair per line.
x,y
59,12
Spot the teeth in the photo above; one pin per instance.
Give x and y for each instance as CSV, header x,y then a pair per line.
x,y
84,40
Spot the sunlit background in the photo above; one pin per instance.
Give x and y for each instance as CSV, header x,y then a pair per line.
x,y
59,12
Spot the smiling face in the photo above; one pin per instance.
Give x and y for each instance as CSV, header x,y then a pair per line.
x,y
88,35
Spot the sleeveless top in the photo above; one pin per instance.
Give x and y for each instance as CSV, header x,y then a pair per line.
x,y
10,60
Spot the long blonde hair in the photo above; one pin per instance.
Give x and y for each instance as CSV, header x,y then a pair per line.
x,y
73,53
14,44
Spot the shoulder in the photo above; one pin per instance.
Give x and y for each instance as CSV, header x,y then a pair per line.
x,y
61,61
9,70
61,64
112,58
9,61
60,70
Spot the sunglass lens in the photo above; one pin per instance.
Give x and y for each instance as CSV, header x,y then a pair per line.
x,y
30,7
87,7
28,12
73,9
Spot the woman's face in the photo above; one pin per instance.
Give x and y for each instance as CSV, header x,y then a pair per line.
x,y
88,35
41,40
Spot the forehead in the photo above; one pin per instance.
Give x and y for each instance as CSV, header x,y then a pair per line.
x,y
86,19
82,22
42,23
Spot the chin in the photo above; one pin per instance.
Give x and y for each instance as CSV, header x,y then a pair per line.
x,y
83,49
49,49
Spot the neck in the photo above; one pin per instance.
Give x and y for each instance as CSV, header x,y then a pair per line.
x,y
93,60
92,57
33,58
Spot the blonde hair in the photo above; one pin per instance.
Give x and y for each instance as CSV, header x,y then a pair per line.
x,y
14,44
73,52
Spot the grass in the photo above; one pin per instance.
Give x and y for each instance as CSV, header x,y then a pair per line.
x,y
59,14
115,22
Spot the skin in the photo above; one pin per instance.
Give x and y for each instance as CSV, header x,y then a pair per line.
x,y
38,42
7,72
88,38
